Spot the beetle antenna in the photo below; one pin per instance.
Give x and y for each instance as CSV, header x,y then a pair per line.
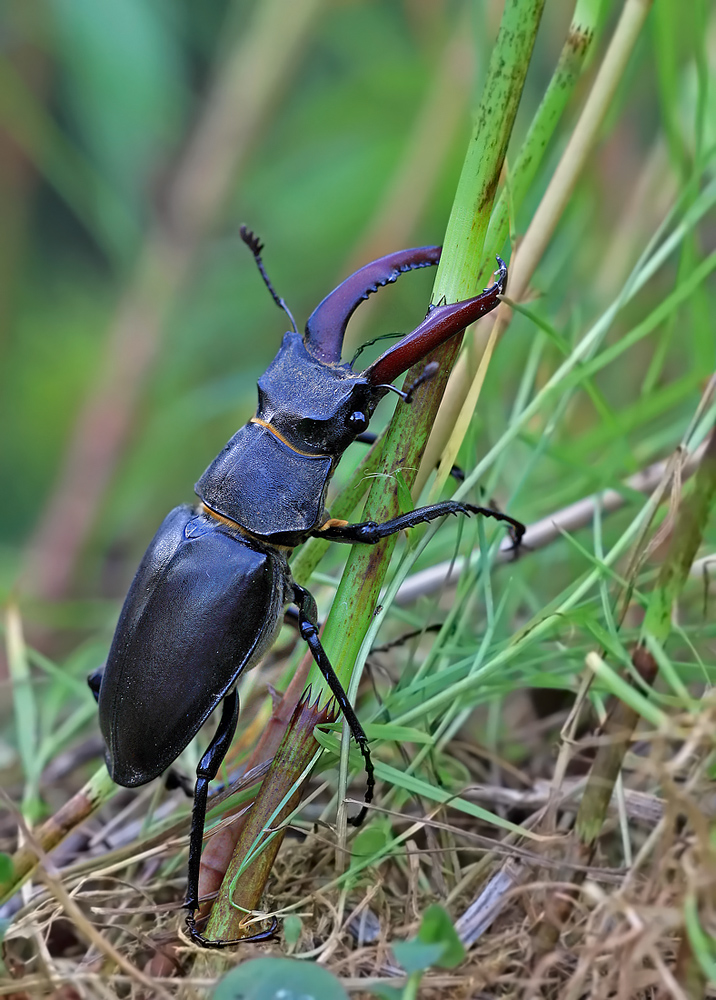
x,y
256,246
407,394
428,372
369,343
398,392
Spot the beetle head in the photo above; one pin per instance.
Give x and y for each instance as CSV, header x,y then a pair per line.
x,y
318,408
318,405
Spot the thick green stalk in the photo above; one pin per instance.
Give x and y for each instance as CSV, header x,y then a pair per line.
x,y
462,259
456,279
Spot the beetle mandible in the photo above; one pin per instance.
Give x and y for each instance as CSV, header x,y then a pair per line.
x,y
208,598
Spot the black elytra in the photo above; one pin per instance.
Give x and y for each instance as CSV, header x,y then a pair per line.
x,y
209,595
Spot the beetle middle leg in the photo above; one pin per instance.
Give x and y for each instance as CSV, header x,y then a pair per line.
x,y
308,626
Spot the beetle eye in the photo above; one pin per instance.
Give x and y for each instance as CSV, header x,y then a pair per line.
x,y
357,421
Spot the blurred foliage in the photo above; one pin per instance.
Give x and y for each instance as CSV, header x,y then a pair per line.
x,y
96,104
112,93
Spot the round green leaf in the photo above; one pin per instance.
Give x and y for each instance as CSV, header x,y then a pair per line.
x,y
436,927
417,956
279,979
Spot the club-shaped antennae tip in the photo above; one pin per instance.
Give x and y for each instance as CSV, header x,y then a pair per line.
x,y
250,239
256,246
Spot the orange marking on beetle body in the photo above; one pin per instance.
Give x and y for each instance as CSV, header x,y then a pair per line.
x,y
282,439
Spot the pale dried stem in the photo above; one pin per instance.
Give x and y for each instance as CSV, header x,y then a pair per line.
x,y
543,225
548,529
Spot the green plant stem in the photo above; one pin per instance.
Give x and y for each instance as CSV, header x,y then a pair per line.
x,y
98,790
246,876
460,265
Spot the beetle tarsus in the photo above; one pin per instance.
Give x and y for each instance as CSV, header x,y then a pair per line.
x,y
217,943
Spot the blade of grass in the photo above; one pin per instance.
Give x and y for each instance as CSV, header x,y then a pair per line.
x,y
552,206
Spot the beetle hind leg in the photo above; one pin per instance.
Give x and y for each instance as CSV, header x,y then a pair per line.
x,y
94,681
205,772
308,627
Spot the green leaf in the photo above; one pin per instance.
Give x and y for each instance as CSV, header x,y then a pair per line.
x,y
390,732
703,944
292,929
416,956
371,840
279,979
386,992
405,499
436,927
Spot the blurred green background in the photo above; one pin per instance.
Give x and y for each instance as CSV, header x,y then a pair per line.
x,y
135,137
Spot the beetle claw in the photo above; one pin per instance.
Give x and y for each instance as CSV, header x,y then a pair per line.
x,y
217,943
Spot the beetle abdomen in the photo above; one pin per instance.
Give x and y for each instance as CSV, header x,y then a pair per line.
x,y
203,607
266,486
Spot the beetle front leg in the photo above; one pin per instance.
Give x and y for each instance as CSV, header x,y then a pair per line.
x,y
370,532
308,626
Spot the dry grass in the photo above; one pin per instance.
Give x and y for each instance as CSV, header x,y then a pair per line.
x,y
606,929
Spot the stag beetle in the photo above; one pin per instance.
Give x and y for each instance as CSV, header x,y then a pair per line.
x,y
208,597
